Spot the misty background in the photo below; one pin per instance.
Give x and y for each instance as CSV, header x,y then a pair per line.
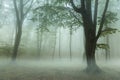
x,y
52,41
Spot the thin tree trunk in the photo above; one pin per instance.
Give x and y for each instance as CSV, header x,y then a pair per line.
x,y
53,55
38,43
107,51
41,40
60,43
70,43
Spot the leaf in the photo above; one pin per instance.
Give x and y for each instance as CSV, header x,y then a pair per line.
x,y
108,31
110,17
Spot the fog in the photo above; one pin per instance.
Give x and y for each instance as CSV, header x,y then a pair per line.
x,y
56,70
46,40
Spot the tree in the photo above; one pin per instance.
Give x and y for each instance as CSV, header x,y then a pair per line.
x,y
21,12
89,19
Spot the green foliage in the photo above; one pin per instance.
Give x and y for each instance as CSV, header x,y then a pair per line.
x,y
102,46
51,15
110,17
108,31
54,15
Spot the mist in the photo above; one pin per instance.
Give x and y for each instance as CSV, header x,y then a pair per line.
x,y
59,40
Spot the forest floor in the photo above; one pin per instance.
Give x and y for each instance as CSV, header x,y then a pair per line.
x,y
56,70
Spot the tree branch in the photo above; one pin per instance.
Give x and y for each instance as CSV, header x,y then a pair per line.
x,y
79,10
95,13
29,8
75,17
102,20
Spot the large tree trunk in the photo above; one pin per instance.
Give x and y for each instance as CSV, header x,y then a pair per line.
x,y
90,46
90,42
90,54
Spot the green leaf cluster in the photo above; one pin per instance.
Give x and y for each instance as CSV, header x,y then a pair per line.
x,y
102,46
53,15
108,31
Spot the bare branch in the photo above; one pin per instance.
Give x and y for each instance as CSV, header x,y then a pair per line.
x,y
29,8
102,20
79,10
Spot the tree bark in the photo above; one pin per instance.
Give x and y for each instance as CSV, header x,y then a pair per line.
x,y
90,43
70,43
90,47
17,42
